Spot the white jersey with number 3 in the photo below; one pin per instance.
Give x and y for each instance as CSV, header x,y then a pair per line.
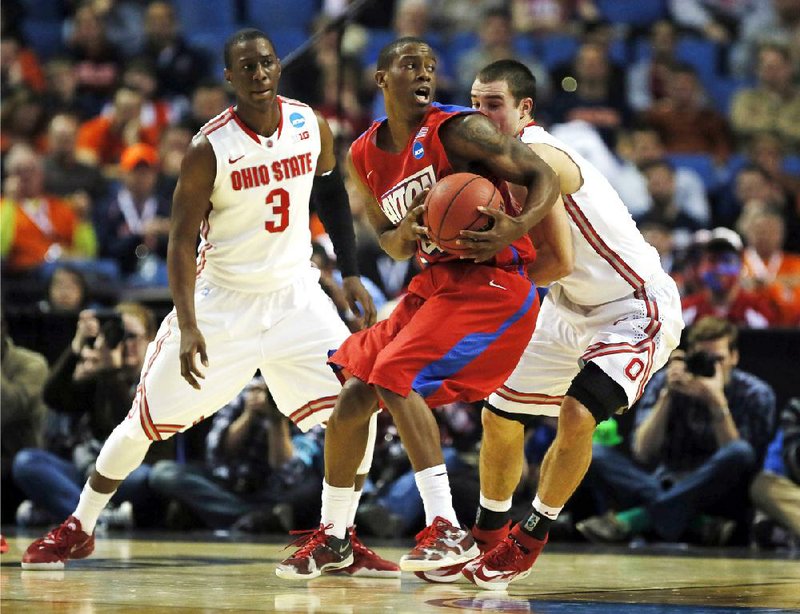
x,y
256,237
611,257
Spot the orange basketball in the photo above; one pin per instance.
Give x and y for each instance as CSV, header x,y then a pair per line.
x,y
452,206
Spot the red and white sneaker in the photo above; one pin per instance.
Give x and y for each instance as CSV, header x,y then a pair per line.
x,y
50,552
440,545
318,552
366,562
507,562
486,540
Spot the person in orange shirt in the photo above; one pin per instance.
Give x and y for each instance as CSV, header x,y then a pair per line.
x,y
36,228
102,139
767,269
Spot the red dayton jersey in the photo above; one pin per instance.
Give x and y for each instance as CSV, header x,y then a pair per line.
x,y
395,179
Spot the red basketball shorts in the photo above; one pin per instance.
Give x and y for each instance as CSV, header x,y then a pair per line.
x,y
456,335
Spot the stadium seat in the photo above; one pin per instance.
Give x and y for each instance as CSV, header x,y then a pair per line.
x,y
702,164
700,53
287,39
202,17
632,12
272,15
557,49
44,10
375,42
44,37
791,165
213,44
721,91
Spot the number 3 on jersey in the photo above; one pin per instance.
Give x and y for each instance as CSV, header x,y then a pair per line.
x,y
278,200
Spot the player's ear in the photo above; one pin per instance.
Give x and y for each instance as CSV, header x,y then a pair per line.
x,y
227,74
525,107
380,78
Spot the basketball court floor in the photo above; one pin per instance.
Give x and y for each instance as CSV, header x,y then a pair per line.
x,y
207,573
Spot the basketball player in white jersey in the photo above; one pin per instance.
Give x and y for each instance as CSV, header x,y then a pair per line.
x,y
250,299
607,324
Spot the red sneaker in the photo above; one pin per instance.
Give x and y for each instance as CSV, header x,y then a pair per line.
x,y
486,540
318,552
507,562
50,552
440,545
366,563
3,544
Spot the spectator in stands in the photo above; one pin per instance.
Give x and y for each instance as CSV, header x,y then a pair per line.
x,y
23,375
686,123
717,20
67,291
19,67
642,146
459,16
769,271
665,207
157,113
81,184
102,139
23,120
96,378
590,94
776,490
37,227
774,103
775,21
660,236
496,34
552,16
62,90
719,269
253,474
98,63
209,99
648,78
768,150
175,140
179,67
133,225
706,425
122,23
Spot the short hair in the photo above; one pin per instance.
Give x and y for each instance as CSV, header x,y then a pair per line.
x,y
141,313
780,48
390,50
661,163
684,68
520,80
242,36
712,328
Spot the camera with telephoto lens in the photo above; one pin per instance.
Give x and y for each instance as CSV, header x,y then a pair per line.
x,y
111,326
701,363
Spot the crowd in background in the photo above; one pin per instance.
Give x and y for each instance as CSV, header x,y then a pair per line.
x,y
691,108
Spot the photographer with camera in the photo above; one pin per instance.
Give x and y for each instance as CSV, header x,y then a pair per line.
x,y
93,381
705,426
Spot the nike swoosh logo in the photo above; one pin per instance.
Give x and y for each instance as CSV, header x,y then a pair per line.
x,y
234,160
369,173
494,285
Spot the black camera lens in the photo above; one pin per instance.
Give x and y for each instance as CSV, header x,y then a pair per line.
x,y
701,363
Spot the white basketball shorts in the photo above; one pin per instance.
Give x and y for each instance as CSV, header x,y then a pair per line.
x,y
629,339
286,334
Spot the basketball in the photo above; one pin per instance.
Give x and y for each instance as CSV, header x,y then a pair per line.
x,y
452,206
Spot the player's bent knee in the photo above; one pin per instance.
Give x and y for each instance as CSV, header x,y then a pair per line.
x,y
357,402
597,392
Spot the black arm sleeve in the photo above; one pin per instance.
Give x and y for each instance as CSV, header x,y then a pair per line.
x,y
330,201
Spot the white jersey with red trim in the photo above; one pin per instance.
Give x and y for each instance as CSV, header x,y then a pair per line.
x,y
256,237
612,259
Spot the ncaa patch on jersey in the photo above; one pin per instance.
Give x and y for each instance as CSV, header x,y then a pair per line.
x,y
297,120
418,150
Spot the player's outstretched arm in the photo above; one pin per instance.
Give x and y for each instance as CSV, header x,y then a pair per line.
x,y
333,208
475,143
190,203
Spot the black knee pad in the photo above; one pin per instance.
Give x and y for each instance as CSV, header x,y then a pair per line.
x,y
600,394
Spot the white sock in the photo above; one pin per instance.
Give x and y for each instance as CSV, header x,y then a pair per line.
x,y
493,505
434,487
89,507
336,504
351,515
545,510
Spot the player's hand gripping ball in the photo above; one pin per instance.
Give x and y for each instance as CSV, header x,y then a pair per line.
x,y
452,206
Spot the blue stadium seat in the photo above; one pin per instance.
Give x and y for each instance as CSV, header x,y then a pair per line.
x,y
44,10
375,42
632,12
721,91
702,54
213,43
44,37
703,164
791,165
287,39
525,45
200,17
556,49
272,15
